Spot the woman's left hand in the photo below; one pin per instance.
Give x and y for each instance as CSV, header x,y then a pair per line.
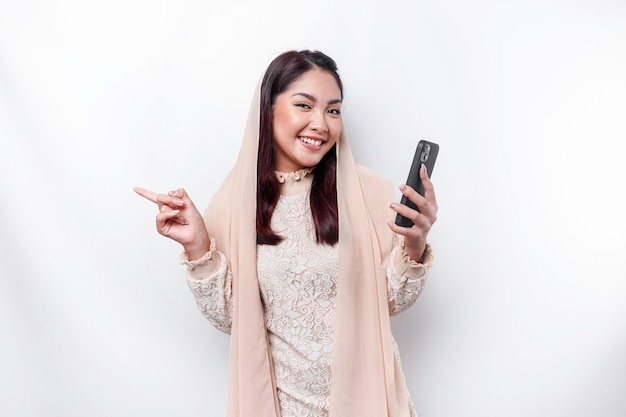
x,y
423,220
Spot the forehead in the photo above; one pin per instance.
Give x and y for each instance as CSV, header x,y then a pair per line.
x,y
316,82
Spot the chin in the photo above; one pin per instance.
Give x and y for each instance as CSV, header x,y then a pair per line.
x,y
310,163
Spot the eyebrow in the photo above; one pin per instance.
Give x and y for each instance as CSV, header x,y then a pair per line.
x,y
310,97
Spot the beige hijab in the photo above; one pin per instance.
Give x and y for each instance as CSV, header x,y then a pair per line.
x,y
365,378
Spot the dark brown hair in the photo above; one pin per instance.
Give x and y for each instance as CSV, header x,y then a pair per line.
x,y
282,71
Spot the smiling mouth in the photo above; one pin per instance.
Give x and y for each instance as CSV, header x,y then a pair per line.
x,y
310,141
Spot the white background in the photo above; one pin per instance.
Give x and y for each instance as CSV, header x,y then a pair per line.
x,y
525,310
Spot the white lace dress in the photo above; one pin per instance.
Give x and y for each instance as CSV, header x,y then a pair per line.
x,y
297,279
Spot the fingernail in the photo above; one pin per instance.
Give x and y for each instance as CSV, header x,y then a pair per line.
x,y
175,211
179,202
402,187
424,168
171,192
392,205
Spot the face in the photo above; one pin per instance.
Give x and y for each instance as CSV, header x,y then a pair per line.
x,y
307,121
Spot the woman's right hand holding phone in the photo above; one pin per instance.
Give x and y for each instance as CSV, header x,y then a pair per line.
x,y
180,220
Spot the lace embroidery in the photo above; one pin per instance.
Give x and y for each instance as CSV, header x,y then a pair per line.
x,y
191,265
297,279
214,296
405,277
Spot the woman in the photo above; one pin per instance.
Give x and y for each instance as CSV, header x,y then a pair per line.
x,y
298,259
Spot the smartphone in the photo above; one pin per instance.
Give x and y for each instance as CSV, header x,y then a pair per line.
x,y
426,153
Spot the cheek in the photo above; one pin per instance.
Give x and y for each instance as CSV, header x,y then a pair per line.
x,y
284,121
336,128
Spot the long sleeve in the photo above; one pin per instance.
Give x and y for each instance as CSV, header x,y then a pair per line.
x,y
210,281
405,277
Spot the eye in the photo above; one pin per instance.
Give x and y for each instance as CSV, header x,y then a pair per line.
x,y
336,112
303,105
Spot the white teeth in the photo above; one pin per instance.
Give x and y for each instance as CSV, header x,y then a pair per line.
x,y
310,141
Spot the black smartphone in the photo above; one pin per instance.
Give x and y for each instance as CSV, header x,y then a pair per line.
x,y
426,153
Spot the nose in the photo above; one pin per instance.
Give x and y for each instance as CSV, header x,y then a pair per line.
x,y
318,122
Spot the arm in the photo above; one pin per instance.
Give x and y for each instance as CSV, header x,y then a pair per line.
x,y
210,280
405,277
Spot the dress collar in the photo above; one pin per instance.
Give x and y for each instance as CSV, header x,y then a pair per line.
x,y
292,176
294,183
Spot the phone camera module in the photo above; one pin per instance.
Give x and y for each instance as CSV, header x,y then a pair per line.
x,y
425,153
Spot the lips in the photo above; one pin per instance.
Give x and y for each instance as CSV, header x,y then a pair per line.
x,y
311,141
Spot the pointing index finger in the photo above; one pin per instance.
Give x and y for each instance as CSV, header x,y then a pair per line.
x,y
147,194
